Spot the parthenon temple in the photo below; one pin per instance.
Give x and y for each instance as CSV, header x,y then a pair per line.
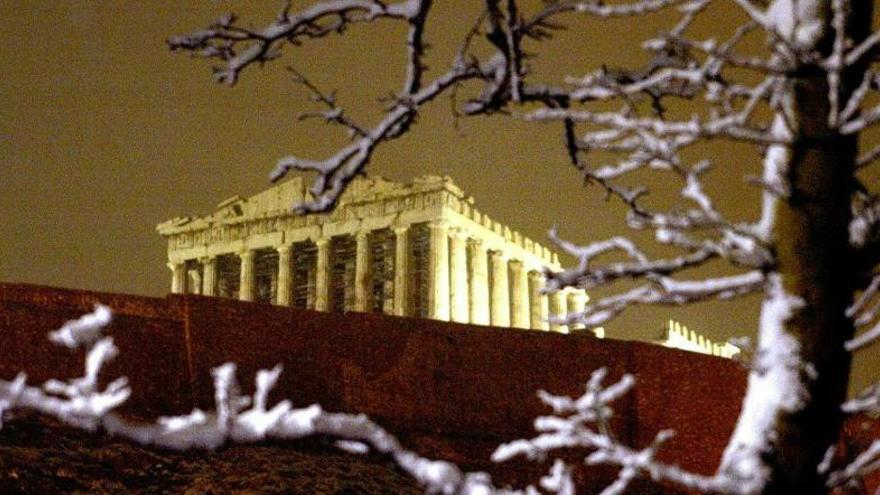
x,y
418,249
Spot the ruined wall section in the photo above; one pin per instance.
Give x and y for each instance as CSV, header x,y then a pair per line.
x,y
677,336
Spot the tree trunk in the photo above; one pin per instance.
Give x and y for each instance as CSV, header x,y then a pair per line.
x,y
813,260
791,414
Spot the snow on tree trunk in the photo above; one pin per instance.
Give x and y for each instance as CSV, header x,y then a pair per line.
x,y
791,413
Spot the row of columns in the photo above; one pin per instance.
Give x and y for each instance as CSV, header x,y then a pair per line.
x,y
508,295
285,281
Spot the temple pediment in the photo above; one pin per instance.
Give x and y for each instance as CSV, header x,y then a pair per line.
x,y
231,207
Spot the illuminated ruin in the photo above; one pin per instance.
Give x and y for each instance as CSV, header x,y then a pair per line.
x,y
678,336
418,249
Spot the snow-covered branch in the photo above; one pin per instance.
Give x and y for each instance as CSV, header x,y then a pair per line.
x,y
79,401
864,237
660,290
239,47
864,463
867,402
726,127
333,114
586,277
862,302
84,331
335,172
599,9
585,423
864,231
865,338
794,103
835,62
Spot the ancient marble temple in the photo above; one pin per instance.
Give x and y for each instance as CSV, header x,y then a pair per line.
x,y
419,249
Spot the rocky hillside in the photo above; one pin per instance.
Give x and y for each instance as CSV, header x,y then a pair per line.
x,y
41,456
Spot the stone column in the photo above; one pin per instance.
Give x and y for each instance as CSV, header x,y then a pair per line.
x,y
500,311
209,276
545,311
558,308
537,302
178,277
362,272
479,286
322,275
246,279
196,285
401,270
458,286
577,301
285,282
438,276
520,291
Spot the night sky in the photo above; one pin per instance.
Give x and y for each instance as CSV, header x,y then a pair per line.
x,y
104,133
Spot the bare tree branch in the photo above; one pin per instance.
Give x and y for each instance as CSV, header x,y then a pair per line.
x,y
571,426
333,114
224,38
336,172
799,105
667,292
869,336
864,463
867,402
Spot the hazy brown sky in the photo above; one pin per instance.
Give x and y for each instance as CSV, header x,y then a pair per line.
x,y
104,133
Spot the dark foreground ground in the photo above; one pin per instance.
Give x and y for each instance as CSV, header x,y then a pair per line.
x,y
41,456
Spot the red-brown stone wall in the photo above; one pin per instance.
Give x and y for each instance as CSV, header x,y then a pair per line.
x,y
83,300
422,374
148,331
448,390
696,395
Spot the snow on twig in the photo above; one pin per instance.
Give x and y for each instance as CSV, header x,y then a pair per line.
x,y
727,127
79,401
585,423
864,463
864,339
222,39
661,289
867,402
333,114
835,62
866,296
83,331
335,172
863,314
641,7
668,292
237,418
